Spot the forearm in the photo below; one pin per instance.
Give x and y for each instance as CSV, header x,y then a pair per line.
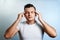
x,y
48,29
12,28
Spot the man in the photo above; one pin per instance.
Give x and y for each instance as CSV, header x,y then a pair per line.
x,y
30,29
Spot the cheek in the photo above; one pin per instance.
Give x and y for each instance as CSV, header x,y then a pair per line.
x,y
33,15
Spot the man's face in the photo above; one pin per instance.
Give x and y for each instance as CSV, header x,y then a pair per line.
x,y
29,13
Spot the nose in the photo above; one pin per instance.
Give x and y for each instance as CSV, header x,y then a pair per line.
x,y
29,14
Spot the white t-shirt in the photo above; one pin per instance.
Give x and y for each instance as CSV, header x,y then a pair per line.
x,y
31,31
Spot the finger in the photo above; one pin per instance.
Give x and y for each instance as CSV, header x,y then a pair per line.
x,y
36,13
22,13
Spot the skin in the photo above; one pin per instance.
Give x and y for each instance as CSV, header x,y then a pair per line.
x,y
29,14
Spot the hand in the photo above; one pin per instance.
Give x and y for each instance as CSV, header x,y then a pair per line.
x,y
39,15
20,15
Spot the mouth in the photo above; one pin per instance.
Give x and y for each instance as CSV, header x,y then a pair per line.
x,y
29,17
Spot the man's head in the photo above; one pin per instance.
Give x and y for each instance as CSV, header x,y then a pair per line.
x,y
29,10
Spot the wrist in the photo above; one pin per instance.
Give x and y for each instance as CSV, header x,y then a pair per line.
x,y
40,19
18,20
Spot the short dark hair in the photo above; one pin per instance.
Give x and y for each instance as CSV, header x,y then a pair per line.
x,y
29,5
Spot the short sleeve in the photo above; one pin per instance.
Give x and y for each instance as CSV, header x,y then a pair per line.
x,y
18,26
40,27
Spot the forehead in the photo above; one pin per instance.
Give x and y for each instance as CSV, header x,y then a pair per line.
x,y
29,9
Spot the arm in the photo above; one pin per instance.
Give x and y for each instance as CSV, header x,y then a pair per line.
x,y
12,30
47,28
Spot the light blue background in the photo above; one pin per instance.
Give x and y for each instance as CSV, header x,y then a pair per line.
x,y
9,10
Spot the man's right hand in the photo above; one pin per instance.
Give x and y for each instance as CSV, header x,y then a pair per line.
x,y
20,15
12,30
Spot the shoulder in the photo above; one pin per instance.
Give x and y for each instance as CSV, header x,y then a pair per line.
x,y
20,24
39,25
24,22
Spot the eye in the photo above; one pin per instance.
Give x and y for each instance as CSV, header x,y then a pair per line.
x,y
26,12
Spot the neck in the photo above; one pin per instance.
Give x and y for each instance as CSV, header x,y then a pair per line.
x,y
30,22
